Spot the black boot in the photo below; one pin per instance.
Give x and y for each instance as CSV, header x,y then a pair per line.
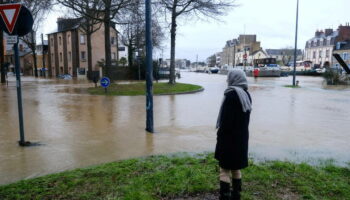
x,y
224,191
236,189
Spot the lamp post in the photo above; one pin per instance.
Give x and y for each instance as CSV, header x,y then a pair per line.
x,y
296,43
149,70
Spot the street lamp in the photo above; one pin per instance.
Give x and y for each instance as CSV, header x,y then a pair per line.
x,y
296,43
149,69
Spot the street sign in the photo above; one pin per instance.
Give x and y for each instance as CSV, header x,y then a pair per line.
x,y
15,19
12,39
105,82
9,14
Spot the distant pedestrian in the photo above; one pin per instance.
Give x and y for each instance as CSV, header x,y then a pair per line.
x,y
233,134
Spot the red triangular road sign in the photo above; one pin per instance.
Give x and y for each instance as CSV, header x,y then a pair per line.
x,y
9,13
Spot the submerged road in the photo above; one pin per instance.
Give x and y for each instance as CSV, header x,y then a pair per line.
x,y
79,130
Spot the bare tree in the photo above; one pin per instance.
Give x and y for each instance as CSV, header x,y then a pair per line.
x,y
190,8
134,32
39,10
287,55
212,61
109,10
88,25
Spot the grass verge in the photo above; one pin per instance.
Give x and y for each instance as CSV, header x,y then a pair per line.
x,y
134,89
168,177
292,86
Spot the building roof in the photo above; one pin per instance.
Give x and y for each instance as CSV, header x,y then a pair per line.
x,y
231,43
277,52
67,24
260,50
320,37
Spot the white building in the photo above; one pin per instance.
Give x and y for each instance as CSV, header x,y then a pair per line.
x,y
319,49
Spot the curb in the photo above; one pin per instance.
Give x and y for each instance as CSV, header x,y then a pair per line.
x,y
190,92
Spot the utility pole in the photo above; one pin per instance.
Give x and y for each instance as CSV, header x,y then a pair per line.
x,y
149,70
296,43
43,52
33,44
234,55
245,52
2,56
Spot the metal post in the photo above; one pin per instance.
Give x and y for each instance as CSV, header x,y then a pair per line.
x,y
149,71
43,52
2,57
296,43
19,95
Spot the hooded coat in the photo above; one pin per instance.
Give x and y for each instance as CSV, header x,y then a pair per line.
x,y
233,134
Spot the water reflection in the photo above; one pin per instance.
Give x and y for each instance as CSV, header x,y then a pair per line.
x,y
79,130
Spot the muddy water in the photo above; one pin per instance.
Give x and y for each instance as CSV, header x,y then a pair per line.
x,y
78,130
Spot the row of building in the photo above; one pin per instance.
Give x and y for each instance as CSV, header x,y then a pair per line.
x,y
318,50
65,51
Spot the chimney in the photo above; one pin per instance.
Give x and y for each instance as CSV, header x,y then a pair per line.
x,y
318,33
328,31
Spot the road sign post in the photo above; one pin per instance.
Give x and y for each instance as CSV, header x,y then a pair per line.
x,y
10,23
22,141
105,82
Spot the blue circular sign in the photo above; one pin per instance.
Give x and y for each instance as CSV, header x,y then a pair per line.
x,y
105,82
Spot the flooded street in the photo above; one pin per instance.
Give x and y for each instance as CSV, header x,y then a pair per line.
x,y
79,130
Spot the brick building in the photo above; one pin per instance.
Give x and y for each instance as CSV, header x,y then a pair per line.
x,y
68,48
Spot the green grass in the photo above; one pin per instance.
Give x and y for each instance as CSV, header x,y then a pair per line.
x,y
166,177
292,86
134,89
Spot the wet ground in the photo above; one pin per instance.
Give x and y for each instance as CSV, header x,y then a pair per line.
x,y
79,130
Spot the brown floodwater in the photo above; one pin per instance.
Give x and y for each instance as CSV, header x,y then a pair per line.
x,y
77,130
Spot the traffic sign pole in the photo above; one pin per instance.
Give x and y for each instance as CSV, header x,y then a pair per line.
x,y
19,96
105,82
16,19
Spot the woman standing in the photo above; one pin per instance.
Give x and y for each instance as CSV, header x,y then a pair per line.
x,y
233,134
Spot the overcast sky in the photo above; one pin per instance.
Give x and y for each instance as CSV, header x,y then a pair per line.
x,y
273,21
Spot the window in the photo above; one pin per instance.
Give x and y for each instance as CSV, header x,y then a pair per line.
x,y
314,55
68,39
113,40
83,55
60,40
51,41
69,56
345,56
52,57
114,56
320,54
61,57
318,42
327,53
82,39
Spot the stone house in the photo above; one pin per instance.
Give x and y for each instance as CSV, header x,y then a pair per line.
x,y
343,49
238,51
319,49
284,56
